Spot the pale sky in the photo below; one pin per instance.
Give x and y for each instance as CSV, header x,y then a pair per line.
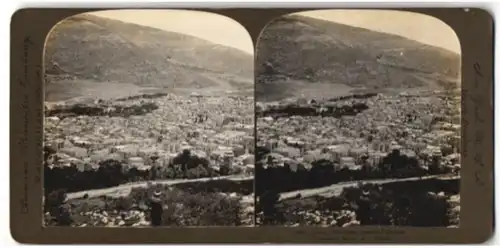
x,y
212,27
422,28
225,31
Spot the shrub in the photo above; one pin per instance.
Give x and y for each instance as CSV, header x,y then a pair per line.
x,y
54,199
63,217
181,207
122,203
199,209
206,209
400,204
197,172
267,204
325,172
429,210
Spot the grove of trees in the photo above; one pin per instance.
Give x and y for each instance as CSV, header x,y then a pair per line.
x,y
325,172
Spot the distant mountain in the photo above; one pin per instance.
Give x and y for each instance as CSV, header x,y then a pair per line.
x,y
297,48
96,49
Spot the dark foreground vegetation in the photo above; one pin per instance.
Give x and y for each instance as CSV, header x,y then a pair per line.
x,y
325,172
182,208
111,173
189,203
424,203
244,187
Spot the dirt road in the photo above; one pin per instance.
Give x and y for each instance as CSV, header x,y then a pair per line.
x,y
336,189
125,189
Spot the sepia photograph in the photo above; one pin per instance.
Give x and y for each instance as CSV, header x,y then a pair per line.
x,y
358,120
149,120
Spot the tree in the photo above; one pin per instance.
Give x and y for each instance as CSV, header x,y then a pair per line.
x,y
110,173
59,212
225,167
363,213
63,216
267,203
429,210
154,172
435,165
402,210
54,199
183,160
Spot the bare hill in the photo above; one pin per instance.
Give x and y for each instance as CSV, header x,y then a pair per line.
x,y
91,49
307,50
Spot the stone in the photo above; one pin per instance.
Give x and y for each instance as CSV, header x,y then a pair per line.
x,y
455,199
145,223
104,220
317,219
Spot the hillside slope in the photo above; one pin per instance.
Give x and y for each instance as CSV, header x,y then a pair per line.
x,y
297,48
94,49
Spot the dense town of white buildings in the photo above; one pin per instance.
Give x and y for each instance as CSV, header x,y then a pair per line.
x,y
216,127
421,124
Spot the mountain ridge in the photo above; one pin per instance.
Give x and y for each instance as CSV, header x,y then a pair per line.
x,y
309,50
305,18
97,49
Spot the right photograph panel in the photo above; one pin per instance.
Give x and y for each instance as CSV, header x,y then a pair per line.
x,y
358,120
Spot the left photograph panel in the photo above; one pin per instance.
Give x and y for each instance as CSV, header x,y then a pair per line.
x,y
149,120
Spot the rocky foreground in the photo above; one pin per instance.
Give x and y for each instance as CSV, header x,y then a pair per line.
x,y
98,213
189,203
348,218
427,203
